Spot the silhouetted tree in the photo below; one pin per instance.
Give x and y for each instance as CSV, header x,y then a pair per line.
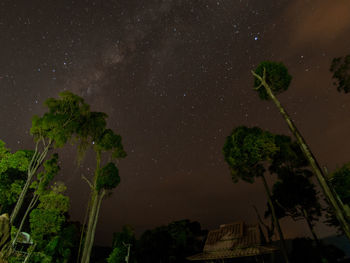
x,y
340,181
340,68
304,251
247,151
171,243
272,78
296,197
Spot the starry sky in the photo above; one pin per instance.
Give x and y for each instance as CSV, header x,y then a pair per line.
x,y
174,78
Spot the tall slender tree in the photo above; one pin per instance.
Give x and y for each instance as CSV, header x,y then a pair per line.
x,y
40,187
52,130
248,151
106,177
272,78
296,197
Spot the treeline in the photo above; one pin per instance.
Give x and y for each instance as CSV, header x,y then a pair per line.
x,y
171,243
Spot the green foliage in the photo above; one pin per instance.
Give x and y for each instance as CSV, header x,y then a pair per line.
x,y
127,236
44,178
118,255
120,240
109,141
108,177
13,167
277,77
54,238
340,68
59,248
246,150
47,219
340,180
62,120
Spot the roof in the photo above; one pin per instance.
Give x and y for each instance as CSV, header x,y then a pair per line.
x,y
233,240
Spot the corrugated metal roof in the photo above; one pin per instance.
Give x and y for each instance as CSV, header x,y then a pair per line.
x,y
234,253
233,240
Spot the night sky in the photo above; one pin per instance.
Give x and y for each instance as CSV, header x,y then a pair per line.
x,y
174,78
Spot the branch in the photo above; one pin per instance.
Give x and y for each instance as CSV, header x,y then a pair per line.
x,y
262,79
87,180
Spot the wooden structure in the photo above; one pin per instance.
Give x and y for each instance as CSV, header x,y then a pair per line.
x,y
232,241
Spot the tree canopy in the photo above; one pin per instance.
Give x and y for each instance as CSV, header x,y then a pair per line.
x,y
277,77
13,167
246,150
340,68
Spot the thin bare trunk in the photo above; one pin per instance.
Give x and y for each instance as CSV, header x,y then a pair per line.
x,y
30,206
277,224
34,164
322,179
83,229
85,258
100,197
311,227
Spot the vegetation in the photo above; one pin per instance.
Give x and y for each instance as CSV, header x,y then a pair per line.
x,y
273,78
13,167
170,243
340,68
247,152
106,177
38,205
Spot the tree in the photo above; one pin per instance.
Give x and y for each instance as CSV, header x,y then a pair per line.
x,y
340,68
270,78
53,129
247,151
340,181
304,251
171,243
40,186
46,224
296,197
121,241
106,177
13,167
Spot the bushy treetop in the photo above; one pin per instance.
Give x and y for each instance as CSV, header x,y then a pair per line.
x,y
276,76
246,150
108,177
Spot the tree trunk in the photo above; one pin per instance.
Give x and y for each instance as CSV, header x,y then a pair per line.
x,y
312,230
35,163
95,200
277,224
85,258
30,206
339,212
100,197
